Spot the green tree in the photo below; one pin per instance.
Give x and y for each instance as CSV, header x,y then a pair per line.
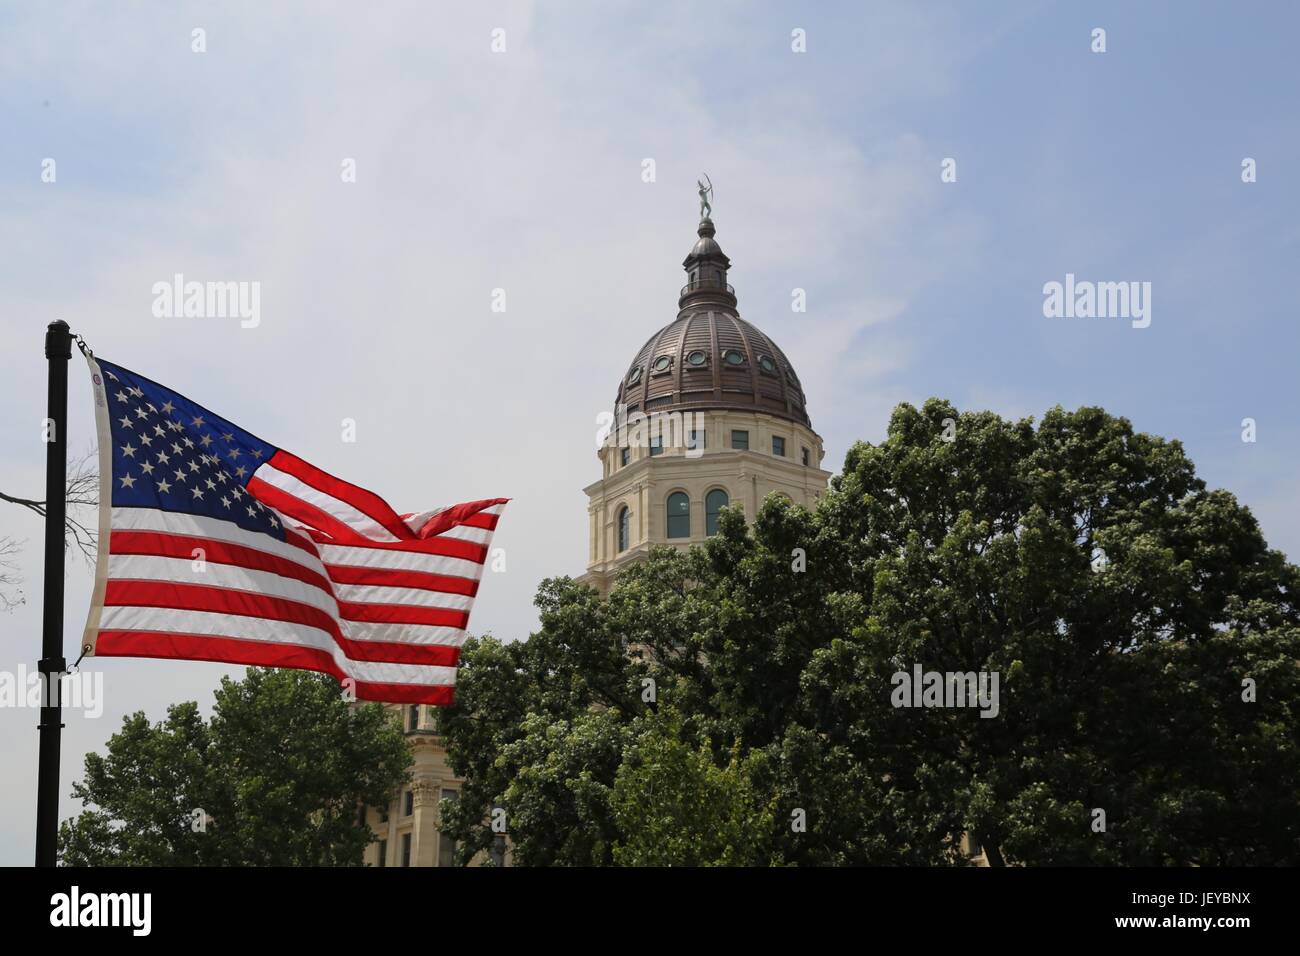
x,y
537,731
674,805
539,727
277,778
1126,609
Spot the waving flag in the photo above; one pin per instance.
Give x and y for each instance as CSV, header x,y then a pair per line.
x,y
217,546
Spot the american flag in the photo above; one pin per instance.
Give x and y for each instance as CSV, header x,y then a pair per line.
x,y
217,546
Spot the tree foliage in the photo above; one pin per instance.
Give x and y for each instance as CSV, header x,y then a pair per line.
x,y
1126,609
674,804
277,777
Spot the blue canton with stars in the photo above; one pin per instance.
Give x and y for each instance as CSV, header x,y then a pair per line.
x,y
172,454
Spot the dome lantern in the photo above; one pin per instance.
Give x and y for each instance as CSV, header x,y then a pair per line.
x,y
706,271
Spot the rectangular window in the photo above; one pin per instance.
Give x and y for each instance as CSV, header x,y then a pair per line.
x,y
409,806
383,814
383,852
697,438
805,457
778,446
446,845
656,446
740,439
406,849
413,717
624,456
679,515
498,852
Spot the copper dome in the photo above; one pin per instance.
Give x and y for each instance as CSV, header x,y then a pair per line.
x,y
709,357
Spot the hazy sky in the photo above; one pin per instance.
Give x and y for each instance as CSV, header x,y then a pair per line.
x,y
523,170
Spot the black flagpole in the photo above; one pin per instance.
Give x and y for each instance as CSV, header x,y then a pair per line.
x,y
58,349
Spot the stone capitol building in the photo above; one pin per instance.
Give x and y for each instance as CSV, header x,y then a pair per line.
x,y
724,421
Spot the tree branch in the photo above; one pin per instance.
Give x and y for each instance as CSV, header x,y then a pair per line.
x,y
81,492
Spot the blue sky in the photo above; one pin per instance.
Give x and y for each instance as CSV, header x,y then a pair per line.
x,y
522,170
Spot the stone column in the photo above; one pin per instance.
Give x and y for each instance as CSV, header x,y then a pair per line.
x,y
424,826
394,855
643,507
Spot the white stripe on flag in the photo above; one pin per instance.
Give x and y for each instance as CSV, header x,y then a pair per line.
x,y
412,597
406,633
148,567
464,532
396,560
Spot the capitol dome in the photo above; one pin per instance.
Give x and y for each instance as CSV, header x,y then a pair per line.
x,y
725,427
709,357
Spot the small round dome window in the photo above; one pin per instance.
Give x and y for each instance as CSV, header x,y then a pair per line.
x,y
696,358
733,357
635,376
766,364
662,363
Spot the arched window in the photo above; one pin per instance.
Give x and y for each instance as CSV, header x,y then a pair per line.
x,y
714,502
624,537
679,515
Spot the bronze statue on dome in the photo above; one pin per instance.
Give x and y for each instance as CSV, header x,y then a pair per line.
x,y
706,195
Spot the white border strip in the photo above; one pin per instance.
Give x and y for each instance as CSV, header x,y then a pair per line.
x,y
104,438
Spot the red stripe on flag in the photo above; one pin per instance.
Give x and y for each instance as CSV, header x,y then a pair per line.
x,y
403,614
457,514
387,577
307,514
231,650
367,502
300,541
